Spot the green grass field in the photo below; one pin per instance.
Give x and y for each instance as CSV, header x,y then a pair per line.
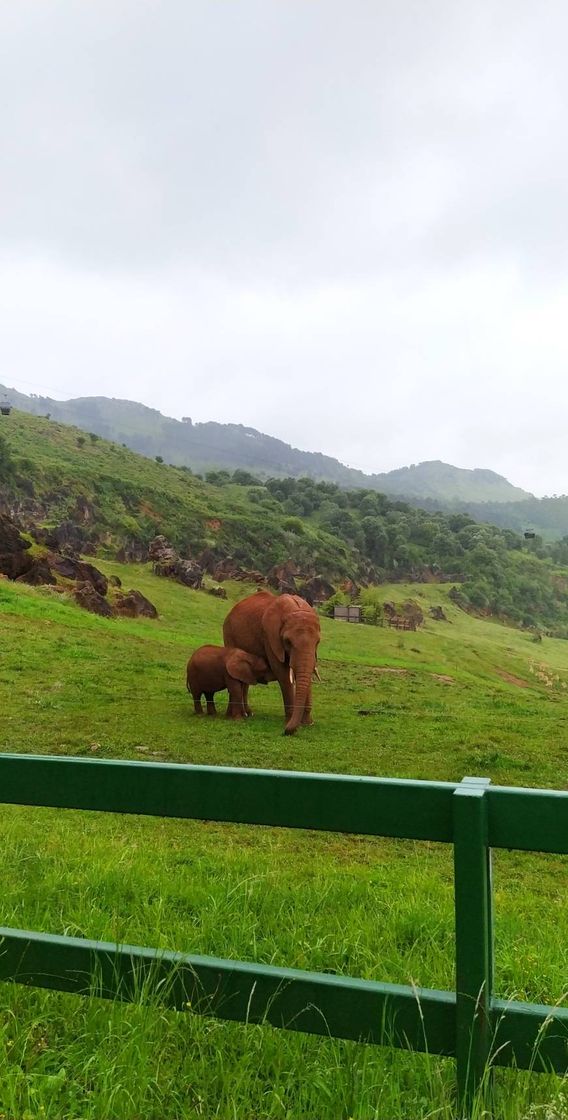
x,y
455,698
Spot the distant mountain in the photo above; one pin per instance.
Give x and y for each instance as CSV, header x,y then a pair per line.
x,y
210,446
445,483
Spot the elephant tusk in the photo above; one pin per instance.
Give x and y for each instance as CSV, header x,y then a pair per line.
x,y
316,674
292,677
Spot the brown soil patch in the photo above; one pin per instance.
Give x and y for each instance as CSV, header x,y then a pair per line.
x,y
511,679
443,678
147,511
388,669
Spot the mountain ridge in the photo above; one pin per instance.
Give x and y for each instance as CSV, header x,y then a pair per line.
x,y
212,446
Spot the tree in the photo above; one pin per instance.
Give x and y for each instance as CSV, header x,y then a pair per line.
x,y
376,540
244,478
217,478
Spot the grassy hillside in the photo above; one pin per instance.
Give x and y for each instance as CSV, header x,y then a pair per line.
x,y
116,496
233,446
52,472
500,573
462,697
199,446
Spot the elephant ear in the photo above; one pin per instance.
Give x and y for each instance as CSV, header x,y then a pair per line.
x,y
238,666
272,624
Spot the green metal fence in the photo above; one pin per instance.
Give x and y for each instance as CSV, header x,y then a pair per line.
x,y
470,1024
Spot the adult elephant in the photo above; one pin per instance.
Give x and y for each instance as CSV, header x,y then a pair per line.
x,y
286,631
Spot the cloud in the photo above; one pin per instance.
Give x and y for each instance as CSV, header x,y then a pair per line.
x,y
343,224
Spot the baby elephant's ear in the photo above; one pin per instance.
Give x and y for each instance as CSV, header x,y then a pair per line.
x,y
239,666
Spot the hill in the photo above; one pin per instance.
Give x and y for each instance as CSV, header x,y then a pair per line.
x,y
547,516
447,484
52,473
232,446
464,696
105,498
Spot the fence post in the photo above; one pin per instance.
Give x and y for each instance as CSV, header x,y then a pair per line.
x,y
474,937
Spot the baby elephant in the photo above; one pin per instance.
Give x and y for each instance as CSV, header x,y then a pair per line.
x,y
213,668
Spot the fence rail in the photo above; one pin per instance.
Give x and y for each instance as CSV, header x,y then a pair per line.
x,y
469,1024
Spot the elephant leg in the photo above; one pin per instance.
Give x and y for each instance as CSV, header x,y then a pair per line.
x,y
235,707
247,709
211,709
197,707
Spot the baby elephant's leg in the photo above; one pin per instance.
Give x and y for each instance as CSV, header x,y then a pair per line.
x,y
211,709
246,707
235,708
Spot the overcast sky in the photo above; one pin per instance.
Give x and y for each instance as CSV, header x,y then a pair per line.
x,y
345,224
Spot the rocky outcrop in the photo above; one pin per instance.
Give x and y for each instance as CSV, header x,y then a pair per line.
x,y
39,573
184,571
233,570
133,552
132,604
218,592
24,512
14,558
413,611
128,604
282,577
66,537
86,596
368,575
437,613
222,568
91,585
71,567
189,573
209,559
166,561
349,587
160,550
285,578
316,590
408,617
85,511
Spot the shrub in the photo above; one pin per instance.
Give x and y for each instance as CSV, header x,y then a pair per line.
x,y
340,599
372,614
244,478
293,525
217,478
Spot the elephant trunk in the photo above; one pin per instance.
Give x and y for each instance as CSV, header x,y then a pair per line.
x,y
303,675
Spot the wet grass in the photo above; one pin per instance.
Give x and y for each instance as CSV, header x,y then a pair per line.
x,y
71,683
